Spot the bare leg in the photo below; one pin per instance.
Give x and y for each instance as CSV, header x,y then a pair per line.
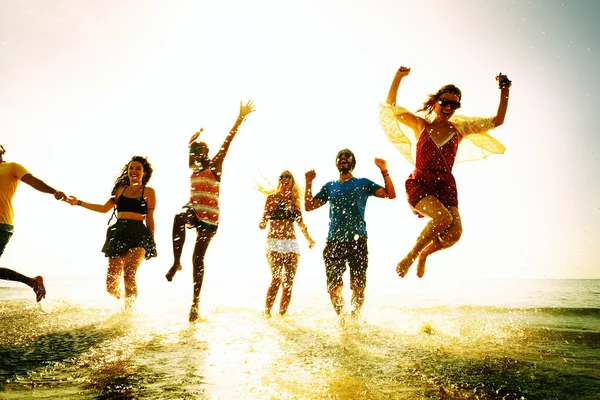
x,y
441,219
203,238
133,259
37,283
335,294
179,223
447,239
276,262
357,300
290,265
113,275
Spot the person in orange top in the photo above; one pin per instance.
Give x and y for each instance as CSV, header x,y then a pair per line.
x,y
11,174
202,210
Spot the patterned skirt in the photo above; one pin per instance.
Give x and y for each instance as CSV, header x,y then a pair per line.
x,y
127,234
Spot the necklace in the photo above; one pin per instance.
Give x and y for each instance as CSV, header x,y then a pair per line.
x,y
133,192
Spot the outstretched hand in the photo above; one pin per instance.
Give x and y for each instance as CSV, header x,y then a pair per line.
x,y
195,136
72,200
503,81
58,195
381,163
310,176
403,71
247,108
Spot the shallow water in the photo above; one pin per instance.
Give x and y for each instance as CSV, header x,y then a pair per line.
x,y
407,346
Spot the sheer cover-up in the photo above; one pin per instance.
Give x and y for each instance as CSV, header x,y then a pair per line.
x,y
479,144
433,167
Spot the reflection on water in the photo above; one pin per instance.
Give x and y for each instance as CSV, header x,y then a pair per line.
x,y
93,349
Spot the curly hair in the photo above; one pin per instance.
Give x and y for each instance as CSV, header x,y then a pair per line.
x,y
429,104
123,179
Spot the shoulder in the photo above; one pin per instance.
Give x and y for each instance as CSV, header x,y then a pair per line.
x,y
272,197
149,191
16,168
366,182
119,190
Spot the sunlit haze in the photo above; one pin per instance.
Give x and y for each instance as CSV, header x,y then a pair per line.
x,y
86,85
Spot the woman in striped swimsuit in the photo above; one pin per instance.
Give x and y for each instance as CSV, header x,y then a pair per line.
x,y
202,211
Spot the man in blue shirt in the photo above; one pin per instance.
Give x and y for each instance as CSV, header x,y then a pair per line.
x,y
347,237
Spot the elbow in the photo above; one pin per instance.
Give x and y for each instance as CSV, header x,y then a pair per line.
x,y
497,121
392,196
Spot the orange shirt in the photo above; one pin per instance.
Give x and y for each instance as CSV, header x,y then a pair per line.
x,y
204,198
10,176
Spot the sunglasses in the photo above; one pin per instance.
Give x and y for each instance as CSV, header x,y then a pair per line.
x,y
285,176
346,154
194,149
453,104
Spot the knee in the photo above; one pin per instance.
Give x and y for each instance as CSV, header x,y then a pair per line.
x,y
443,220
180,219
451,236
335,288
358,285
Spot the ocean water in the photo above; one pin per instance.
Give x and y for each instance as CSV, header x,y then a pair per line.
x,y
416,339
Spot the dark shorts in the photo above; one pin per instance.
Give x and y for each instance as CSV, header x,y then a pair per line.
x,y
421,184
355,254
6,232
199,224
127,234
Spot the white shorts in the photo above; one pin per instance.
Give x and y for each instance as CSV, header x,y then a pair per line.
x,y
283,246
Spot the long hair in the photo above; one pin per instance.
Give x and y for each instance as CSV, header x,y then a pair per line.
x,y
269,189
429,104
123,179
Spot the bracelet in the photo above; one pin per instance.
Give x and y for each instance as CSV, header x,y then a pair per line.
x,y
384,172
79,202
504,83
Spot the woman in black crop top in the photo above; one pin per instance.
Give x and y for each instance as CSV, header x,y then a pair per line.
x,y
129,240
282,209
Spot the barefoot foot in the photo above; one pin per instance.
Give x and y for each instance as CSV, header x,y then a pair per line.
x,y
194,313
403,266
173,271
38,288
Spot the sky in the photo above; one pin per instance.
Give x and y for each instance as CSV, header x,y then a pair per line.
x,y
86,85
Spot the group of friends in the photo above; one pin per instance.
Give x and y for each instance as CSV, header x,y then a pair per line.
x,y
433,135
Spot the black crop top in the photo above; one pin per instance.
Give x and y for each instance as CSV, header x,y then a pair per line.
x,y
132,204
281,212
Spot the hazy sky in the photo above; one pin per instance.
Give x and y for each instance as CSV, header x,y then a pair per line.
x,y
87,84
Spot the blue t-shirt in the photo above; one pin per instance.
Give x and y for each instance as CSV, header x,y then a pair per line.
x,y
347,207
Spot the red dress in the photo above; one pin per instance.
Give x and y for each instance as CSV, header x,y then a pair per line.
x,y
433,172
